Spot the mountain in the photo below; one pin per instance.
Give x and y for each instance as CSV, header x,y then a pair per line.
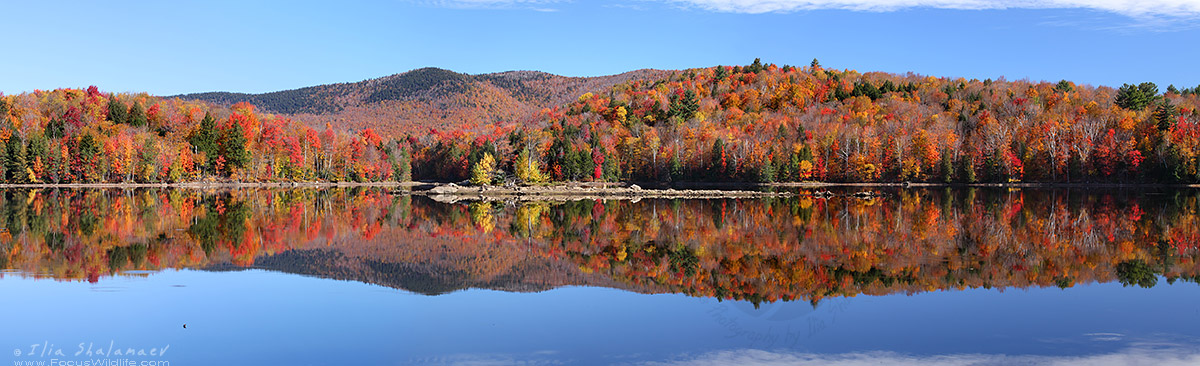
x,y
427,98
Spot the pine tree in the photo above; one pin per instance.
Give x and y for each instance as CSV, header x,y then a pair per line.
x,y
1164,115
14,162
717,159
35,150
204,139
967,170
755,67
137,115
147,168
89,151
233,148
1136,97
1063,86
676,168
117,111
947,168
684,107
766,174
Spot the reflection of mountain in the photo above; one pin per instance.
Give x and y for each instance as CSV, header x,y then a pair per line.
x,y
764,250
531,275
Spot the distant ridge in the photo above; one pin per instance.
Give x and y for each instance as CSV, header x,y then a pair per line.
x,y
427,97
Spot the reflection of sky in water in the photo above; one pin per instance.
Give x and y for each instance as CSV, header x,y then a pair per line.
x,y
259,317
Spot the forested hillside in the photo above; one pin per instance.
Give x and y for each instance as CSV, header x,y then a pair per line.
x,y
770,123
754,123
85,136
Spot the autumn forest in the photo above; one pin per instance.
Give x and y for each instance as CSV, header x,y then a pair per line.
x,y
753,123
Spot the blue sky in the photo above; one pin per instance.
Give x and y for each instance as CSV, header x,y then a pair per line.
x,y
169,47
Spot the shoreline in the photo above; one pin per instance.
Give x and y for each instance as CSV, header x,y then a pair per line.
x,y
577,188
451,192
210,185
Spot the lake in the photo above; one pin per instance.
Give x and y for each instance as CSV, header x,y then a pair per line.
x,y
369,276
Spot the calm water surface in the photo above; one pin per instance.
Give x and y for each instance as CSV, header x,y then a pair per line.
x,y
365,276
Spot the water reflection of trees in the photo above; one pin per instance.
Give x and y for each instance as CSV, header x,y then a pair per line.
x,y
801,248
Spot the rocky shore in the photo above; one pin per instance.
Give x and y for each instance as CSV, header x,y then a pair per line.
x,y
568,192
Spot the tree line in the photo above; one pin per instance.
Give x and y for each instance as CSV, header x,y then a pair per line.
x,y
85,136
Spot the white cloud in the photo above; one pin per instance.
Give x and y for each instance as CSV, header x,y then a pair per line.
x,y
1131,8
1132,356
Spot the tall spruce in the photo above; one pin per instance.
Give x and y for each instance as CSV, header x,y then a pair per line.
x,y
1164,115
233,148
89,154
117,112
204,139
137,115
35,151
14,160
684,106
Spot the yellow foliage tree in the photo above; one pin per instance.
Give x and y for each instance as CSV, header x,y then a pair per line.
x,y
806,169
621,114
527,169
481,173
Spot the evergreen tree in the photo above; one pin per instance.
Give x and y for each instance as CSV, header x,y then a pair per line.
x,y
35,150
55,129
766,174
204,140
1164,115
1136,97
862,88
755,67
887,87
684,107
89,151
947,168
717,156
967,170
676,168
1063,86
402,167
14,160
233,148
137,116
117,111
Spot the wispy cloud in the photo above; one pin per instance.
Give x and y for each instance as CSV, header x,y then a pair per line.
x,y
1131,356
1173,9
